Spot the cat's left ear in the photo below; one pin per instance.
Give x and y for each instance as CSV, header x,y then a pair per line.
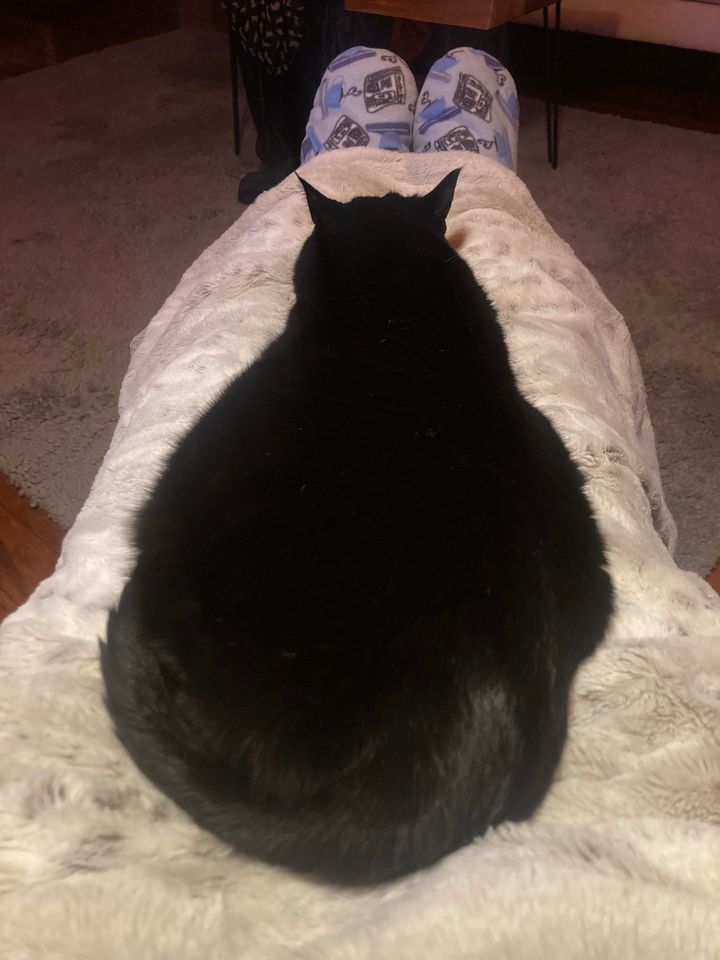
x,y
320,206
439,200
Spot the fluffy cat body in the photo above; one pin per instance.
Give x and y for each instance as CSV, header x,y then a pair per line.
x,y
366,576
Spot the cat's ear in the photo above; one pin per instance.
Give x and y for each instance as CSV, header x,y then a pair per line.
x,y
439,200
320,206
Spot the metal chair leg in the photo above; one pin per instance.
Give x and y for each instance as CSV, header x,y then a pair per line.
x,y
552,82
234,85
503,45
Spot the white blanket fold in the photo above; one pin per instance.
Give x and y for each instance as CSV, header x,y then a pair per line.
x,y
623,859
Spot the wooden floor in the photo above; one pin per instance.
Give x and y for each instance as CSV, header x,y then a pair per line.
x,y
29,547
41,33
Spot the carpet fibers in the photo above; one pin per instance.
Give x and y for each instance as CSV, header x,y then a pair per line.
x,y
117,171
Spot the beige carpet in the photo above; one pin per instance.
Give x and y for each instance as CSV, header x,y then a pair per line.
x,y
117,169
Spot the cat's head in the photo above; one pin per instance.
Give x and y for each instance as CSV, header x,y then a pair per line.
x,y
392,223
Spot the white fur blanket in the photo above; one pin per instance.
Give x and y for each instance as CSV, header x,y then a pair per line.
x,y
622,861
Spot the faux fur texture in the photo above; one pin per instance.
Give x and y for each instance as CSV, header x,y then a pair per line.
x,y
622,859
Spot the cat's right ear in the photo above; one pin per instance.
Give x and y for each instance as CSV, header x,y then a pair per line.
x,y
321,207
440,199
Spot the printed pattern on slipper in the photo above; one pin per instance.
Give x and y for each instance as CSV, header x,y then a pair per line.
x,y
366,98
468,102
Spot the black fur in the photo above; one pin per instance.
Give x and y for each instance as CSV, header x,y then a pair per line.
x,y
366,576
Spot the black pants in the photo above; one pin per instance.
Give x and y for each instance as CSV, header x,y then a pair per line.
x,y
280,106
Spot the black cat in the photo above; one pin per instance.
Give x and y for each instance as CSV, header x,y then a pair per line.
x,y
366,576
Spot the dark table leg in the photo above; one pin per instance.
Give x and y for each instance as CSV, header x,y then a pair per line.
x,y
552,82
234,86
